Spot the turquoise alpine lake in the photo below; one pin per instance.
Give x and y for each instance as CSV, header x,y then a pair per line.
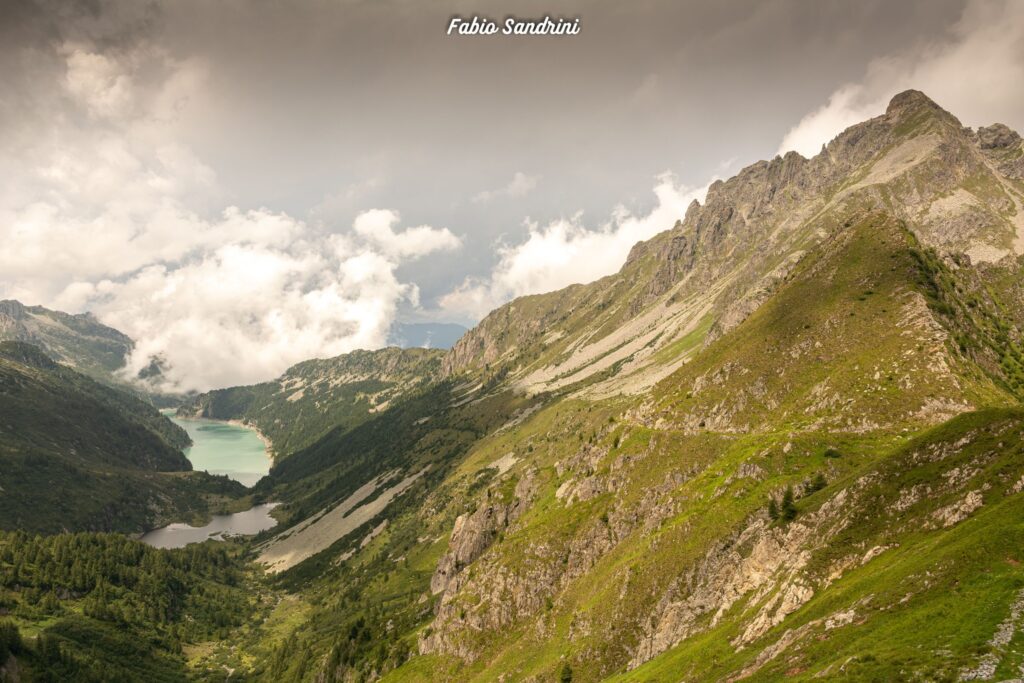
x,y
220,448
224,448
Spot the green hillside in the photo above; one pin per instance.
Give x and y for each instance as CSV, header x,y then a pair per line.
x,y
316,396
84,344
685,481
77,454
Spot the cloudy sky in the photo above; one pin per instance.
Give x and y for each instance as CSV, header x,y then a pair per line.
x,y
242,185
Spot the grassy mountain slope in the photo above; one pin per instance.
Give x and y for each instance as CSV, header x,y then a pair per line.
x,y
315,396
904,568
838,327
429,429
78,454
610,510
594,563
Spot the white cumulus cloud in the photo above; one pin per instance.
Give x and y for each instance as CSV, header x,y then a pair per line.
x,y
377,226
108,212
566,251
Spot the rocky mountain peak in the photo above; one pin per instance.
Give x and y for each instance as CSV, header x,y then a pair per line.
x,y
728,253
913,102
12,308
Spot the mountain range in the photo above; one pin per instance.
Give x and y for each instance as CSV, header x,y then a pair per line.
x,y
784,441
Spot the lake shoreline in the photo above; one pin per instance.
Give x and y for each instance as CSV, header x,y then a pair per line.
x,y
255,520
222,447
229,447
267,443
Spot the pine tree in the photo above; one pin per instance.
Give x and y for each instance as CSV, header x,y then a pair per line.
x,y
787,511
10,640
773,509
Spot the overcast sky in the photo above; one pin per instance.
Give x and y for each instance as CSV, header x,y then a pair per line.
x,y
241,185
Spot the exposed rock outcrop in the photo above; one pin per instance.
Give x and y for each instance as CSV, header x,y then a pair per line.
x,y
473,534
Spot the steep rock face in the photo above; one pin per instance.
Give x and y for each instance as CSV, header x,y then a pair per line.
x,y
744,205
483,592
998,137
762,565
498,334
905,161
474,533
1003,147
505,592
12,315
